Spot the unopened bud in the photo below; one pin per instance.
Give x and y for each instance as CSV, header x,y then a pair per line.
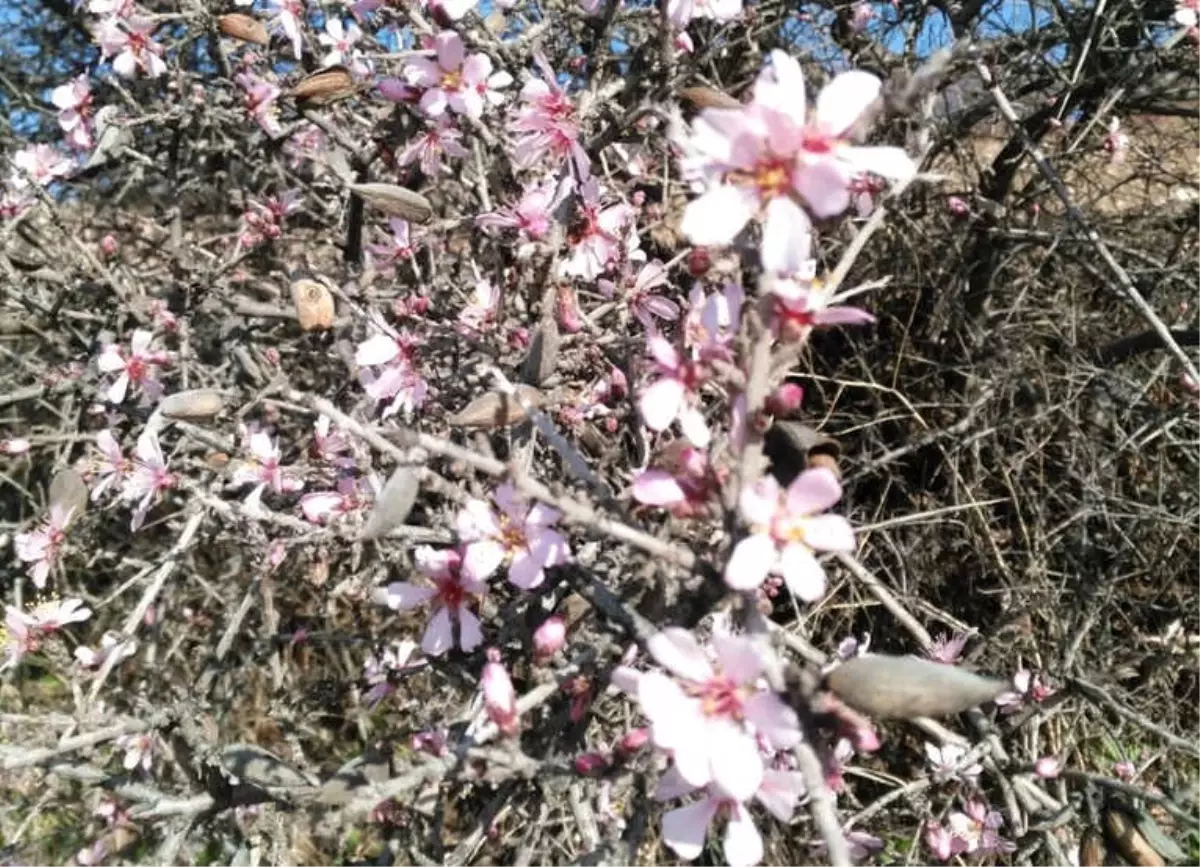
x,y
549,638
108,245
1047,767
785,400
957,206
698,262
632,741
499,697
590,764
18,446
569,319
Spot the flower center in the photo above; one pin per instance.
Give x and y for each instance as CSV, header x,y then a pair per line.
x,y
512,535
452,80
719,697
773,178
136,369
450,593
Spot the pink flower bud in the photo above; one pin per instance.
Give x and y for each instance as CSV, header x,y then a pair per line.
x,y
632,741
1047,767
698,262
786,399
432,743
272,355
499,697
638,198
518,338
611,424
108,245
590,764
549,638
957,206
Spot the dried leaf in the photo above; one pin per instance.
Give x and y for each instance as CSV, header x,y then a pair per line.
x,y
244,27
394,502
395,201
708,97
192,404
253,764
314,304
69,492
326,86
905,687
496,409
543,353
1124,836
1091,849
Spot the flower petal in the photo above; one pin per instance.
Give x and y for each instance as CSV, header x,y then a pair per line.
x,y
470,634
813,491
773,719
718,215
439,634
678,651
801,572
829,533
840,102
787,236
737,766
887,162
482,558
751,561
684,828
660,402
402,596
743,843
657,488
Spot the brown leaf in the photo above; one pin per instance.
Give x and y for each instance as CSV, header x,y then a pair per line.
x,y
1091,849
314,304
708,97
394,502
496,409
543,353
192,404
905,687
244,27
69,492
395,201
1123,835
327,86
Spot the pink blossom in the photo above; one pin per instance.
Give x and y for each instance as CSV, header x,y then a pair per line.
x,y
957,206
389,372
638,294
15,446
149,478
499,697
712,322
977,829
287,17
139,751
765,158
1047,767
948,762
43,165
53,615
861,845
400,248
532,215
74,103
786,528
851,647
863,15
17,638
465,85
1116,141
264,469
112,645
687,486
521,536
1125,770
440,138
941,842
547,124
1026,685
41,547
137,367
105,471
710,714
675,394
306,143
260,99
598,235
681,12
449,10
946,649
449,597
481,312
330,444
132,43
1187,13
340,40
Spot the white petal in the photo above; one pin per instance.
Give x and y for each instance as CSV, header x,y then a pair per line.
x,y
717,216
845,98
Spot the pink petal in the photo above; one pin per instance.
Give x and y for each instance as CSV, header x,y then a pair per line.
x,y
887,162
717,216
684,828
824,185
525,571
829,533
750,562
660,402
439,634
511,503
476,521
737,766
450,50
694,427
780,791
434,102
436,563
677,650
738,658
759,501
672,785
773,719
482,558
549,548
845,98
402,596
657,488
813,492
743,844
470,634
842,316
787,236
626,679
541,515
801,572
379,349
117,391
321,506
